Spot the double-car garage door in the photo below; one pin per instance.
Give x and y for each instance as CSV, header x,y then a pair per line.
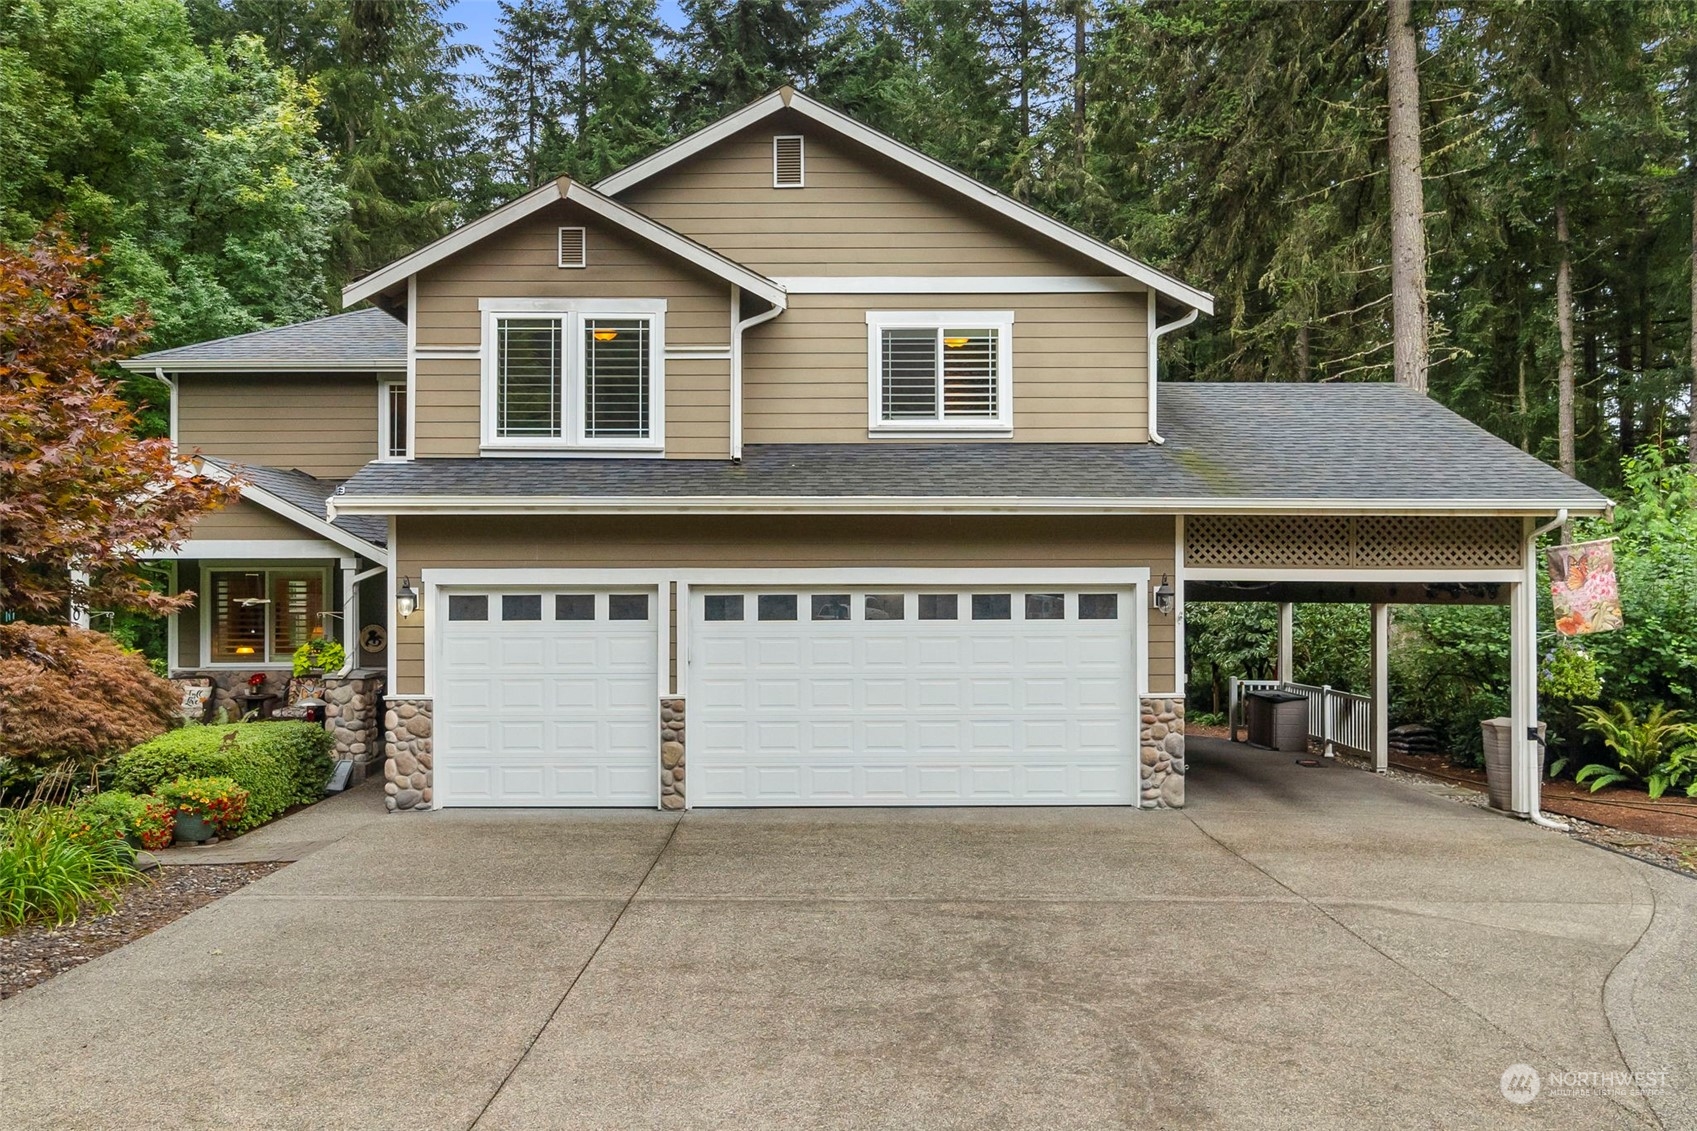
x,y
840,695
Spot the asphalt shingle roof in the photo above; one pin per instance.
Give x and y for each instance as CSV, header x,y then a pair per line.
x,y
308,493
1255,443
362,338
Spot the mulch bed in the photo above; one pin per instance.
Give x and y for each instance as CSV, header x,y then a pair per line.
x,y
33,954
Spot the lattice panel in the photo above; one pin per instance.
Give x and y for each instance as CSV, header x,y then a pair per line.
x,y
1368,542
1428,542
1295,541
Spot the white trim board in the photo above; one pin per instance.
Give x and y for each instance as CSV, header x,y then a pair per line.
x,y
822,115
1389,575
270,365
958,284
562,189
940,504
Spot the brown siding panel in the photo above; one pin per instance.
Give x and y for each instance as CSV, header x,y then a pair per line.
x,y
246,521
322,425
750,542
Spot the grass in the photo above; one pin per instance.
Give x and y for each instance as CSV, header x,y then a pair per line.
x,y
49,875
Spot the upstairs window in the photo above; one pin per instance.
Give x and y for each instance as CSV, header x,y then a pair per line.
x,y
945,371
587,377
787,161
392,420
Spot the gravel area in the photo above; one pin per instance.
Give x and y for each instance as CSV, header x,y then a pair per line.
x,y
33,954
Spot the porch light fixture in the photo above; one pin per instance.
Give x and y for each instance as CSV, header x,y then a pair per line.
x,y
606,335
1162,598
406,599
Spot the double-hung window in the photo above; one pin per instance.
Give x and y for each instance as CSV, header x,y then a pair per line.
x,y
943,371
574,374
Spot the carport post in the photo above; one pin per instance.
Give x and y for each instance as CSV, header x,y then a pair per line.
x,y
1381,687
1522,687
1287,631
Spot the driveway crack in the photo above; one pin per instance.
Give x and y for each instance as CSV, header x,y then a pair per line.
x,y
530,1042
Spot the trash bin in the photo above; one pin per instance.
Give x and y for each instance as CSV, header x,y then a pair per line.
x,y
1278,720
1498,734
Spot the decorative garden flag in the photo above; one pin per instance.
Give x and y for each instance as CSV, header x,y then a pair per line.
x,y
1583,589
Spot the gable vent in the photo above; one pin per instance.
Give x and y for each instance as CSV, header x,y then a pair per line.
x,y
574,247
786,161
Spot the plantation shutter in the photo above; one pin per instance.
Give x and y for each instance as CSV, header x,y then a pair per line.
x,y
238,631
296,601
527,394
787,161
615,378
969,374
910,374
574,247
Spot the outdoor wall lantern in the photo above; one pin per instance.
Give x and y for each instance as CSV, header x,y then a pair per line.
x,y
1162,598
406,599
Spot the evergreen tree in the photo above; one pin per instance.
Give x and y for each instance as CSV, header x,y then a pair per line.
x,y
731,52
523,94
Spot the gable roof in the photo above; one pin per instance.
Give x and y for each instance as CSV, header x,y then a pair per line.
x,y
361,340
1231,448
941,174
563,189
302,499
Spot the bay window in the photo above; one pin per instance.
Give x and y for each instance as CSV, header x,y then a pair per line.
x,y
572,374
943,371
260,616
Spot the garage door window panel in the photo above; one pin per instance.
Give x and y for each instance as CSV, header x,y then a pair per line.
x,y
723,607
939,606
777,606
526,606
468,606
886,606
574,606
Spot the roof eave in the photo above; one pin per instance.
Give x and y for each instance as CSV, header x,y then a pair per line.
x,y
145,364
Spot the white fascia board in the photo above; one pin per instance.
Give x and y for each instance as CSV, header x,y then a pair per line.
x,y
746,504
300,516
268,365
1389,574
958,284
457,240
680,246
919,163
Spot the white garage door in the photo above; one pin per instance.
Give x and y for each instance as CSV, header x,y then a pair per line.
x,y
547,697
912,696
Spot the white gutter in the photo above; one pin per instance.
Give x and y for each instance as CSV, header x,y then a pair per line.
x,y
1155,335
737,328
1531,583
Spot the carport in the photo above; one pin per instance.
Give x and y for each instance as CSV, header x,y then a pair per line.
x,y
1380,560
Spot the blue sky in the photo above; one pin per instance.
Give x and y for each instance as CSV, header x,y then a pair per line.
x,y
480,18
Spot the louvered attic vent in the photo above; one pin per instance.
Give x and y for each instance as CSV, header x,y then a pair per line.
x,y
574,247
786,161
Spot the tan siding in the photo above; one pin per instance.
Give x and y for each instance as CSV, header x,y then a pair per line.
x,y
447,417
698,408
247,521
749,542
322,425
1080,369
523,262
859,214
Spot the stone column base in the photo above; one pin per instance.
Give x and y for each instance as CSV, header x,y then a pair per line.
x,y
1161,760
671,753
407,778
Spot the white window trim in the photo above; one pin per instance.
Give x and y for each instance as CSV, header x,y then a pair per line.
x,y
877,321
203,598
385,410
801,160
571,441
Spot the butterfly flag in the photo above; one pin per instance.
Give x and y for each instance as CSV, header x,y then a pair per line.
x,y
1583,590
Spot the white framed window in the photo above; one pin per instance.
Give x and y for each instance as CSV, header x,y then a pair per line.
x,y
947,371
392,437
255,617
788,161
574,374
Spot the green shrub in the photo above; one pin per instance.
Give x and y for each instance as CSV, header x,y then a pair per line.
x,y
1643,748
279,764
49,872
112,815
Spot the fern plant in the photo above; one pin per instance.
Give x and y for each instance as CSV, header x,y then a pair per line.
x,y
1677,771
1640,746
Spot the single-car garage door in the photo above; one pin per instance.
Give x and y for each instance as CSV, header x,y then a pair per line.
x,y
912,696
547,697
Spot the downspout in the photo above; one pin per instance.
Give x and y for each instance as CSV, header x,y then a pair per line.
x,y
737,328
1155,335
159,372
1531,568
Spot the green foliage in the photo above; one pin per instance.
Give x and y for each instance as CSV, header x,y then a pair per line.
x,y
1570,674
219,801
111,815
320,654
279,763
1449,671
50,870
1640,746
1677,770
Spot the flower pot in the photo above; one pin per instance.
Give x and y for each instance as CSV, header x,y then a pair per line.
x,y
193,828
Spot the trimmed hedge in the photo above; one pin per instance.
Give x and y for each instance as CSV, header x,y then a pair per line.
x,y
279,764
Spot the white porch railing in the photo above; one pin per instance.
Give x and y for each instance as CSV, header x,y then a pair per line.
x,y
1336,719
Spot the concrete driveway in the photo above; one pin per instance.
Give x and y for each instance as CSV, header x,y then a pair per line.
x,y
1301,948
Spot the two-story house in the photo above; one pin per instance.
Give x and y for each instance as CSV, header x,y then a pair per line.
x,y
791,467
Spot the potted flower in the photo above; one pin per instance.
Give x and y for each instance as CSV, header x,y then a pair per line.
x,y
204,807
256,683
319,655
